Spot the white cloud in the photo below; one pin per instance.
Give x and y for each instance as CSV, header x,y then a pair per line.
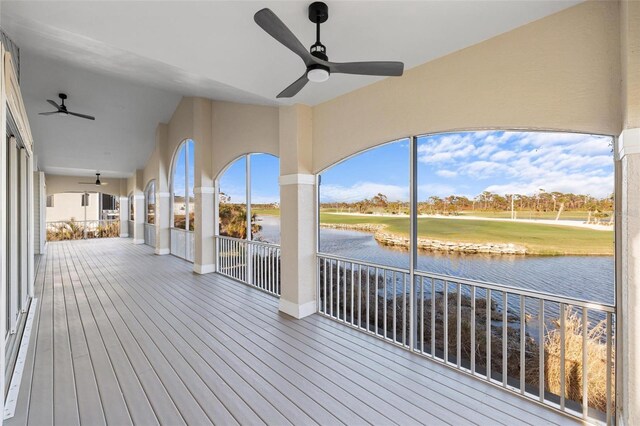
x,y
447,173
362,190
503,155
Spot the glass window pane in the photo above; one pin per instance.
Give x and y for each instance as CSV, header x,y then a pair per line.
x,y
233,199
190,178
364,206
265,198
523,209
179,190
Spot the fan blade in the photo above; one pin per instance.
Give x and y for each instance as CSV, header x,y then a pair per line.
x,y
49,113
88,117
104,183
55,105
294,87
382,68
268,21
86,183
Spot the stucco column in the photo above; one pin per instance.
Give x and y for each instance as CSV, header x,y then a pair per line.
x,y
628,206
297,213
124,217
163,219
629,279
203,191
204,259
138,219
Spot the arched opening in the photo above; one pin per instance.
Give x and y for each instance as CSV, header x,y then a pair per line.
x,y
182,177
132,216
183,201
79,215
492,251
150,213
248,215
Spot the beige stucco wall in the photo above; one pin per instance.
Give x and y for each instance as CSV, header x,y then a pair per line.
x,y
67,206
242,129
58,183
561,72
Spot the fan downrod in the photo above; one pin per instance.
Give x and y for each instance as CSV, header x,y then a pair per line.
x,y
318,13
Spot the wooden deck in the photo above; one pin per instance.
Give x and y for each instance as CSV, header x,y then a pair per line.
x,y
123,336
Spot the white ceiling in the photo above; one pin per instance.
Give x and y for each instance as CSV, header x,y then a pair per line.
x,y
128,62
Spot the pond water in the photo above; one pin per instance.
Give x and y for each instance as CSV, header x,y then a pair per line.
x,y
585,277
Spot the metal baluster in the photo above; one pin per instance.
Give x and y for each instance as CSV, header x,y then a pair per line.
x,y
585,362
562,355
446,321
541,348
376,299
353,318
344,293
384,308
422,314
505,347
459,325
433,318
404,309
368,302
395,308
324,299
338,282
359,296
488,336
331,287
608,379
472,365
523,320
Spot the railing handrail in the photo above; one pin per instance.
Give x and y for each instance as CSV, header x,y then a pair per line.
x,y
242,240
605,307
149,224
82,221
363,263
173,228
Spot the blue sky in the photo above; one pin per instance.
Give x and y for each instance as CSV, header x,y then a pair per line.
x,y
464,163
468,163
178,172
265,189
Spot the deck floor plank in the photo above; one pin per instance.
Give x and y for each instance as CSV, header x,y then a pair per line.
x,y
122,336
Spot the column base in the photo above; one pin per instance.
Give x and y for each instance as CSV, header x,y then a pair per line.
x,y
203,269
139,241
296,310
124,235
162,251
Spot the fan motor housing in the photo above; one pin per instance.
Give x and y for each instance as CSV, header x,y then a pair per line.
x,y
318,12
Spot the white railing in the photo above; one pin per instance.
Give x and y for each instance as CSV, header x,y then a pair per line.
x,y
131,228
261,271
539,347
150,234
183,244
79,229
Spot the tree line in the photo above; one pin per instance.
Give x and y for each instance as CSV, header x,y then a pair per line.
x,y
486,201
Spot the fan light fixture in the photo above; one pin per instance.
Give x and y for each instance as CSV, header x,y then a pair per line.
x,y
318,74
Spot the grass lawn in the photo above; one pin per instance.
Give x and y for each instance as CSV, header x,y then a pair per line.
x,y
528,214
266,211
537,238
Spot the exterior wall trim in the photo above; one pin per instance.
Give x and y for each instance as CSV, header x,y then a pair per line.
x,y
629,142
204,190
203,269
298,311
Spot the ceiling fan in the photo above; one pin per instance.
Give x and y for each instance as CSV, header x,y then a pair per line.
x,y
316,60
62,109
96,183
